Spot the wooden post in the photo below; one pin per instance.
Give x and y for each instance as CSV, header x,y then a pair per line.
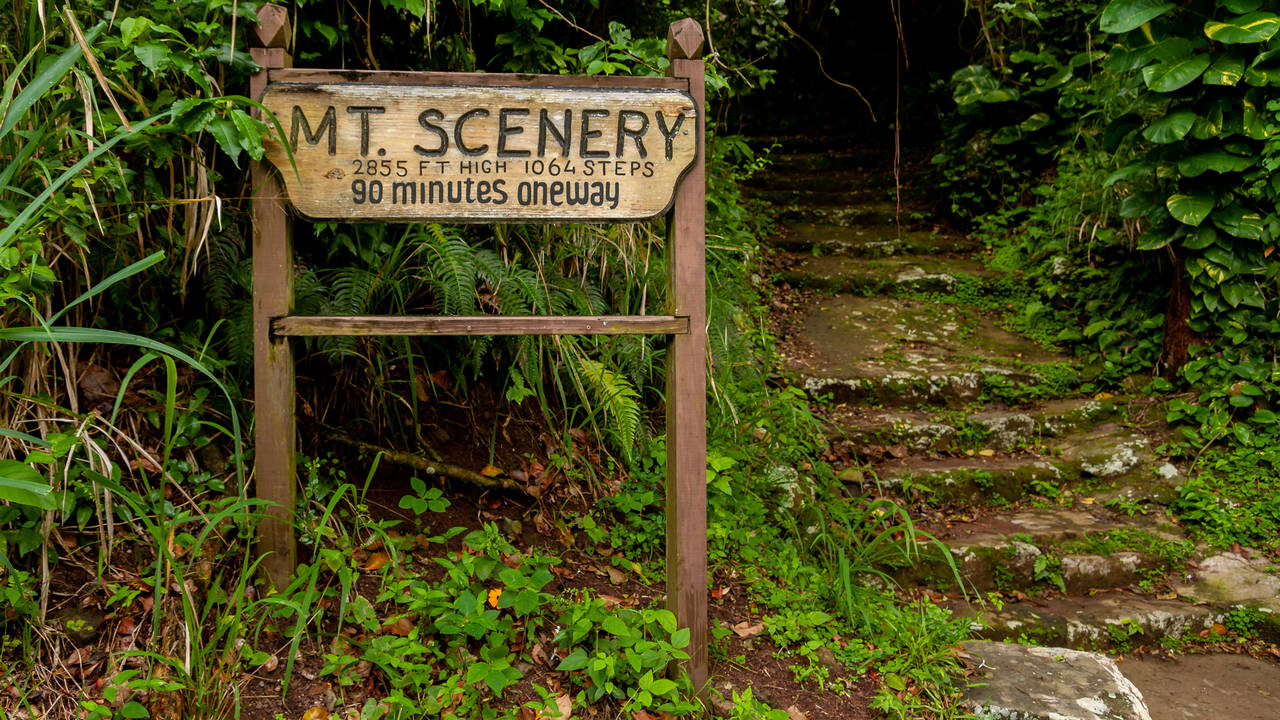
x,y
686,374
274,395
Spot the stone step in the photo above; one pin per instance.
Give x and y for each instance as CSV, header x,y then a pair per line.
x,y
895,274
1070,550
796,201
905,353
1247,584
1108,463
923,431
838,159
1227,595
1017,682
884,214
877,180
1107,621
824,239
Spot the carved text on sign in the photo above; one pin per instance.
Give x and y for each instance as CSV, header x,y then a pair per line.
x,y
458,152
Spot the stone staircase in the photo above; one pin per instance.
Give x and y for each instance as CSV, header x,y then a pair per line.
x,y
1051,505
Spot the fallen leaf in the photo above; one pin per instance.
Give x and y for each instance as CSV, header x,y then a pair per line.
x,y
564,704
1219,629
610,602
1087,500
720,593
527,713
796,713
987,452
745,629
616,576
494,594
490,471
376,561
271,663
80,656
400,628
316,713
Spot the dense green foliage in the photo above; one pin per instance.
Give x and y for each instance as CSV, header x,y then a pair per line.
x,y
1127,153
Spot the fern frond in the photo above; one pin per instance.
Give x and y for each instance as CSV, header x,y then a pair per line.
x,y
617,400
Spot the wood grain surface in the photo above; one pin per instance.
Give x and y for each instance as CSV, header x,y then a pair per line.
x,y
396,151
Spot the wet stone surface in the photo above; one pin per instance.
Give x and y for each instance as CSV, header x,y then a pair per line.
x,y
1048,683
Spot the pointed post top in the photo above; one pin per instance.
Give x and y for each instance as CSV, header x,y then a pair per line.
x,y
684,40
273,26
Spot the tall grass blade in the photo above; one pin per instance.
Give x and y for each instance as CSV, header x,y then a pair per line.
x,y
43,82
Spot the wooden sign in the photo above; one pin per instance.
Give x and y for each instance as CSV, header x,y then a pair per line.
x,y
460,152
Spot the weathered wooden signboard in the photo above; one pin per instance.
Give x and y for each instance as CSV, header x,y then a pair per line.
x,y
401,146
375,151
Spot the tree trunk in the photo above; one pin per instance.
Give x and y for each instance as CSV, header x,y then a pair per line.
x,y
1177,329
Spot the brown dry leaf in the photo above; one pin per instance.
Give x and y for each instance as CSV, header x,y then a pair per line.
x,y
898,451
796,713
563,572
271,663
721,593
985,452
1218,629
400,628
616,576
490,471
527,713
745,629
610,602
316,713
376,561
79,656
539,654
564,704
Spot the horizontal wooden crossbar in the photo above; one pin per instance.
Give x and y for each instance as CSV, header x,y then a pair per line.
x,y
332,325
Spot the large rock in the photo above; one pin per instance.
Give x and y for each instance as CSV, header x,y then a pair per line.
x,y
1021,682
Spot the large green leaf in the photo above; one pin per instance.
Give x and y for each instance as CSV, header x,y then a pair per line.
x,y
975,84
1243,293
1128,172
1240,6
1138,205
1226,70
1255,27
1264,70
1216,160
21,484
1204,236
1240,222
1190,209
1121,16
1175,74
1170,128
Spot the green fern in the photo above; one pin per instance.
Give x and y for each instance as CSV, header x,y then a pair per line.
x,y
617,400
